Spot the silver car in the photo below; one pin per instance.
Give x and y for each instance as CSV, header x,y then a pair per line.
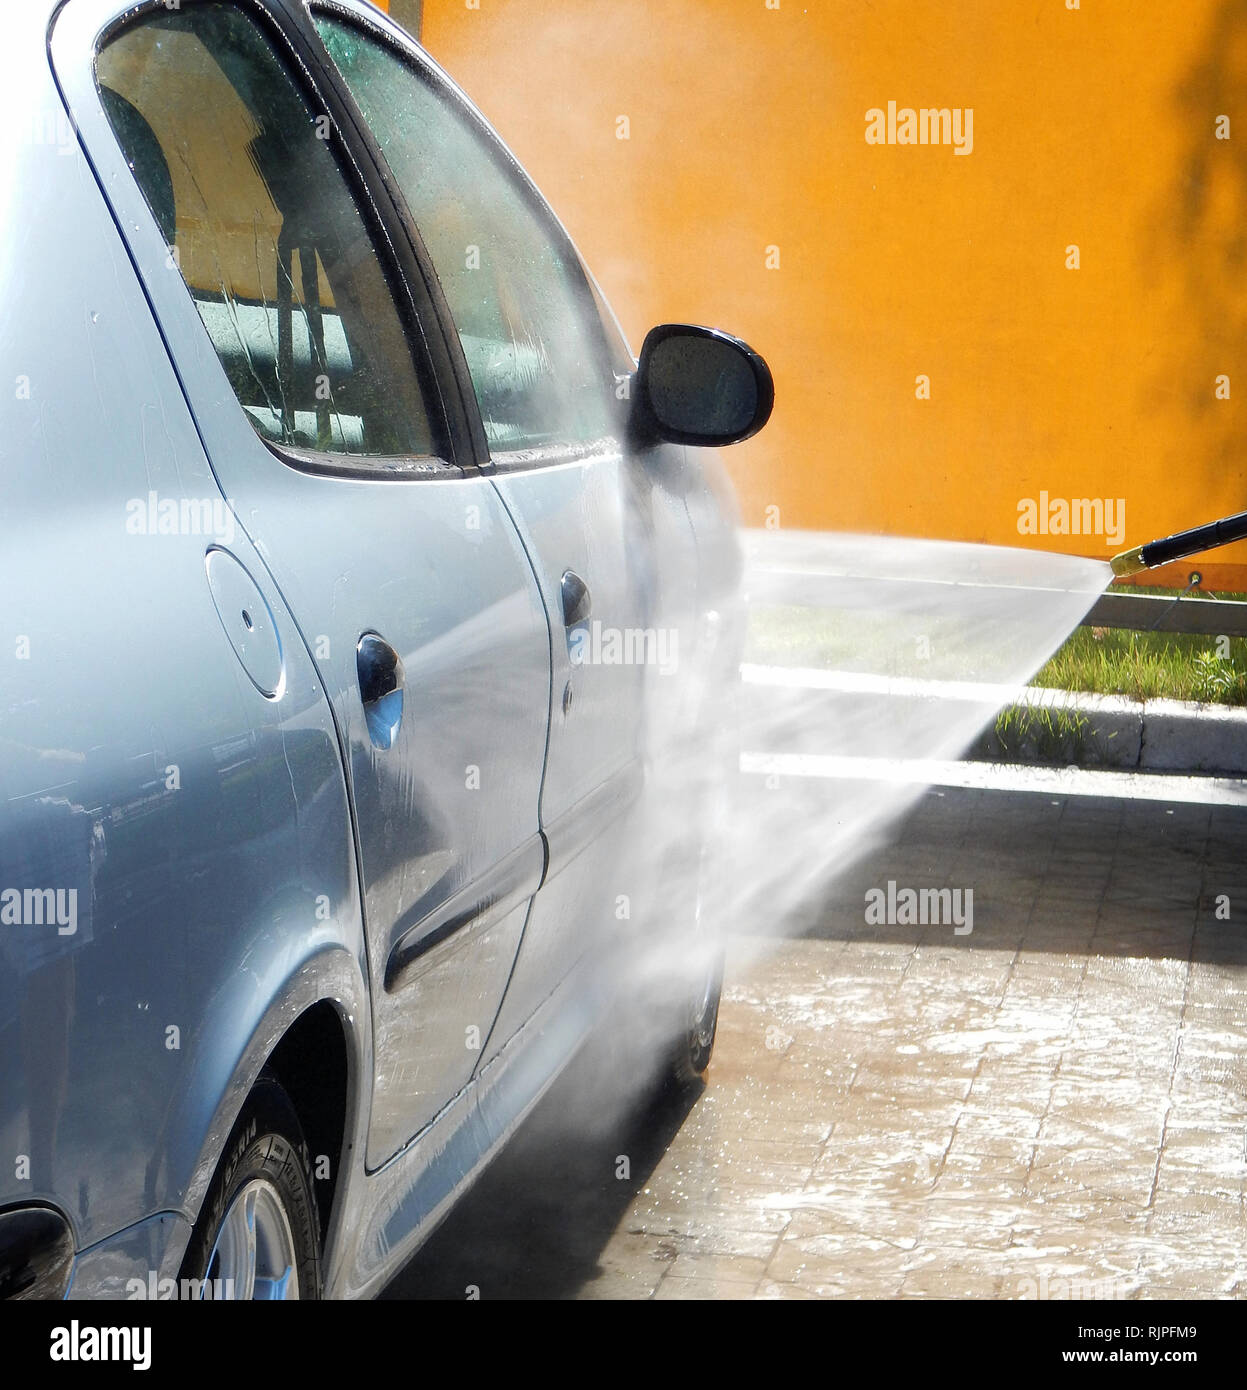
x,y
363,599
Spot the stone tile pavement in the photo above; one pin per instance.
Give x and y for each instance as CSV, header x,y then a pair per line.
x,y
1053,1105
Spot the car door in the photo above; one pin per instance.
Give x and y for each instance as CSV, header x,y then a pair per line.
x,y
553,410
310,354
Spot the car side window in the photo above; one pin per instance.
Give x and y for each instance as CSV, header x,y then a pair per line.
x,y
239,172
516,291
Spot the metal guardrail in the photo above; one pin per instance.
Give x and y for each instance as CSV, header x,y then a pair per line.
x,y
1213,617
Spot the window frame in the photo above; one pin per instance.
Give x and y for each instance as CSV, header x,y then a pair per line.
x,y
586,297
78,31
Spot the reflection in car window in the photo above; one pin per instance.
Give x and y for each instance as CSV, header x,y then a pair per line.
x,y
239,173
537,363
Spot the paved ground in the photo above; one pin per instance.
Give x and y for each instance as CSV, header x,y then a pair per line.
x,y
1054,1104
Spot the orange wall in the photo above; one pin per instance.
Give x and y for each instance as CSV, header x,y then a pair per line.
x,y
407,12
1092,127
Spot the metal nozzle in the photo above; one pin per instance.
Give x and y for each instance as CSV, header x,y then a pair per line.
x,y
1180,545
1128,562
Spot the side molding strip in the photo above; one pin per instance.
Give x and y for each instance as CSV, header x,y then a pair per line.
x,y
478,905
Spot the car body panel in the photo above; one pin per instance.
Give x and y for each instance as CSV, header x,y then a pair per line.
x,y
202,828
457,794
227,900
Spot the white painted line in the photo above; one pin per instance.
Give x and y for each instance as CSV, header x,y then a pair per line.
x,y
971,692
1055,781
804,572
866,683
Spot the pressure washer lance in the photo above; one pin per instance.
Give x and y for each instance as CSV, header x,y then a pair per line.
x,y
1180,545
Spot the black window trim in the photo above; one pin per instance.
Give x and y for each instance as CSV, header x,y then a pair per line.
x,y
426,69
421,317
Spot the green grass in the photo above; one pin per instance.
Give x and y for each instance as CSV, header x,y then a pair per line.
x,y
823,637
1148,666
1050,734
925,646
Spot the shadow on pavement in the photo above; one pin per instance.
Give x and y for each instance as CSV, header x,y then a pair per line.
x,y
538,1219
1086,875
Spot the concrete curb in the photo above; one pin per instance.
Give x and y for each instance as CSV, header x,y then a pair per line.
x,y
1146,735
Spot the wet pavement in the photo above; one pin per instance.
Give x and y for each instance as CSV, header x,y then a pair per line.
x,y
1052,1105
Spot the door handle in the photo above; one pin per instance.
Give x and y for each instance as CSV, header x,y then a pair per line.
x,y
577,604
381,683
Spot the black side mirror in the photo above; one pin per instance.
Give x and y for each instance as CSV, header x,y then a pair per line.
x,y
700,386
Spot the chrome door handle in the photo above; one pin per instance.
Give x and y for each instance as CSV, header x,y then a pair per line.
x,y
381,682
577,604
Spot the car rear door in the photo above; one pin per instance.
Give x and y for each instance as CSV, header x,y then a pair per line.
x,y
302,328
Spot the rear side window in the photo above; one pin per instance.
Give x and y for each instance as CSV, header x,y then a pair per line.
x,y
240,175
516,290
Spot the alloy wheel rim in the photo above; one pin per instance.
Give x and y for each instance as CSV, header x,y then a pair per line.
x,y
253,1258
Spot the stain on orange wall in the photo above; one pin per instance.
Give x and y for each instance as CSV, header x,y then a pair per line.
x,y
745,195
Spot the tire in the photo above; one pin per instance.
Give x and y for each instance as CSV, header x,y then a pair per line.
x,y
698,1020
263,1186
